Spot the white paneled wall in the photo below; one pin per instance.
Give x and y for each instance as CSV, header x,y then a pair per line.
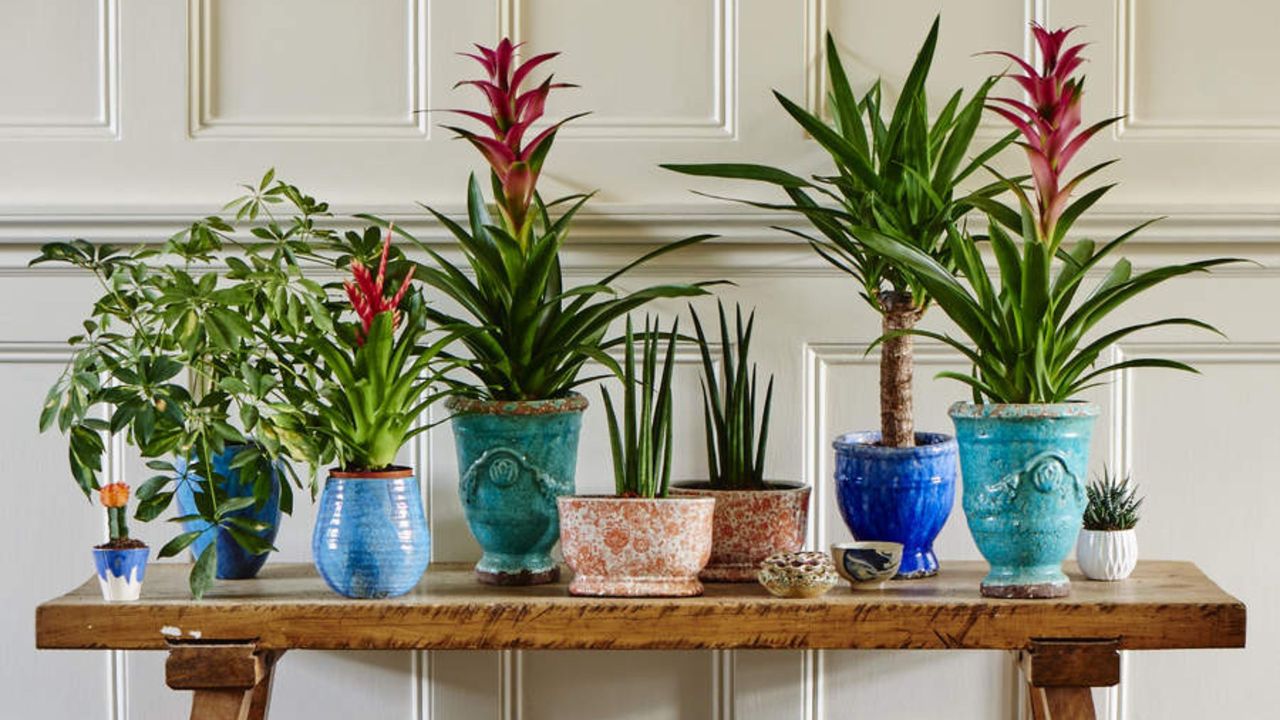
x,y
121,119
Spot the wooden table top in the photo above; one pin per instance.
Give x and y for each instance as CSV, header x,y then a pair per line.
x,y
1164,605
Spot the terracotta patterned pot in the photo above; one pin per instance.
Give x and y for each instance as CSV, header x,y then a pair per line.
x,y
751,525
635,547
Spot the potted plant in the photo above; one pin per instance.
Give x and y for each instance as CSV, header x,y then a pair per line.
x,y
638,542
171,358
362,387
122,562
754,518
896,174
1107,548
1024,440
516,429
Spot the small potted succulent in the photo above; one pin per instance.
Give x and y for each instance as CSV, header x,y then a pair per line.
x,y
121,562
754,518
1107,548
1024,440
639,542
896,174
360,391
516,428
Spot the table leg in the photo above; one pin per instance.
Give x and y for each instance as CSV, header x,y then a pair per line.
x,y
1061,674
228,681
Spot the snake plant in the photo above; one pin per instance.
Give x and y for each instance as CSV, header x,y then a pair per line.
x,y
641,441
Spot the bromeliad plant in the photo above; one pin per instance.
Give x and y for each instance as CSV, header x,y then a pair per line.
x,y
641,442
896,176
735,453
532,334
1113,503
1025,328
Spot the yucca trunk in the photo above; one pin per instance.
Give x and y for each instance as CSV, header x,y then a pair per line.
x,y
897,417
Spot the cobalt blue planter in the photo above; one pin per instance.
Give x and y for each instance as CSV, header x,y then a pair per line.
x,y
902,495
1024,495
234,562
514,460
371,538
120,572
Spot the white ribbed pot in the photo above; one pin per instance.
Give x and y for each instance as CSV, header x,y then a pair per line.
x,y
1107,554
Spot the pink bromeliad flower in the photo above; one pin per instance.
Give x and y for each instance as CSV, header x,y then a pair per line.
x,y
366,292
512,112
1050,120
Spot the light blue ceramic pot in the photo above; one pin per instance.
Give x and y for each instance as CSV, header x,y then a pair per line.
x,y
234,562
1023,470
514,460
371,538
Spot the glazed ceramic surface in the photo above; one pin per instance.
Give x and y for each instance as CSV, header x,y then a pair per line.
x,y
798,574
751,525
120,572
867,564
234,562
901,495
1107,554
371,537
1024,497
514,460
636,547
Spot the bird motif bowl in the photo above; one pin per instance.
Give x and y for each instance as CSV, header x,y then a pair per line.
x,y
867,565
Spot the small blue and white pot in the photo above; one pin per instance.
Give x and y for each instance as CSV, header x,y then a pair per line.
x,y
900,495
1024,495
120,572
371,538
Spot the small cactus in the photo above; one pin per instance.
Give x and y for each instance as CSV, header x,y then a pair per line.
x,y
1113,503
115,498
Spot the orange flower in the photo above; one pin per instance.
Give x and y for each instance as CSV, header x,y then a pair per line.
x,y
115,495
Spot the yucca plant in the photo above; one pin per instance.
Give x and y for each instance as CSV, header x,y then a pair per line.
x,y
532,333
1113,503
897,176
735,443
1024,329
641,441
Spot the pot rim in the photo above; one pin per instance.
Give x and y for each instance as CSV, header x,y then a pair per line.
x,y
611,499
98,548
1108,532
867,545
393,473
1024,411
461,405
863,442
771,486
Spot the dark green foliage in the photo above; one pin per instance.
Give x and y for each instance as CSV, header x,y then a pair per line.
x,y
1113,503
641,442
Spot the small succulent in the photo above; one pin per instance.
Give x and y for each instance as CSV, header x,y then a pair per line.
x,y
1113,503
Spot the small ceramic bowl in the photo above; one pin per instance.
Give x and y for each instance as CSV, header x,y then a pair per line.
x,y
867,565
797,574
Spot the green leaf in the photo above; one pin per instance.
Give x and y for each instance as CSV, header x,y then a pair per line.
x,y
203,572
180,543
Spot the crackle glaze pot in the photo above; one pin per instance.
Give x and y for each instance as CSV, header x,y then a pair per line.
x,y
750,525
120,572
371,538
514,460
635,547
1107,554
900,495
1024,495
234,562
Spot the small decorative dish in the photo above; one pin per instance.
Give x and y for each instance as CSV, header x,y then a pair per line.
x,y
867,565
797,574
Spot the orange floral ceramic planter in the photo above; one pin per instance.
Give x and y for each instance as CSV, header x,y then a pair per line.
x,y
751,525
635,547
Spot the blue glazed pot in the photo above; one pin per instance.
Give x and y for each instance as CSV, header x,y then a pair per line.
x,y
514,460
120,572
901,495
1024,494
371,538
234,562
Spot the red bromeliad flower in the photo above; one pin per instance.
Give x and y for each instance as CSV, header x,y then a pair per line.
x,y
366,292
1048,121
511,113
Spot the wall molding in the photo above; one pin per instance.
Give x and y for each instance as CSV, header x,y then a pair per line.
x,y
720,125
105,125
202,123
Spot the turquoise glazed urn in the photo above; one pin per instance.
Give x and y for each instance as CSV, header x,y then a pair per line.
x,y
234,562
371,538
1023,470
514,459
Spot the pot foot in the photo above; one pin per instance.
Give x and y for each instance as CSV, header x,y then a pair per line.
x,y
917,564
601,586
515,579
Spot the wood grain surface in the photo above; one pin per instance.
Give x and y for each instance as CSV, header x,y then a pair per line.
x,y
1164,605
